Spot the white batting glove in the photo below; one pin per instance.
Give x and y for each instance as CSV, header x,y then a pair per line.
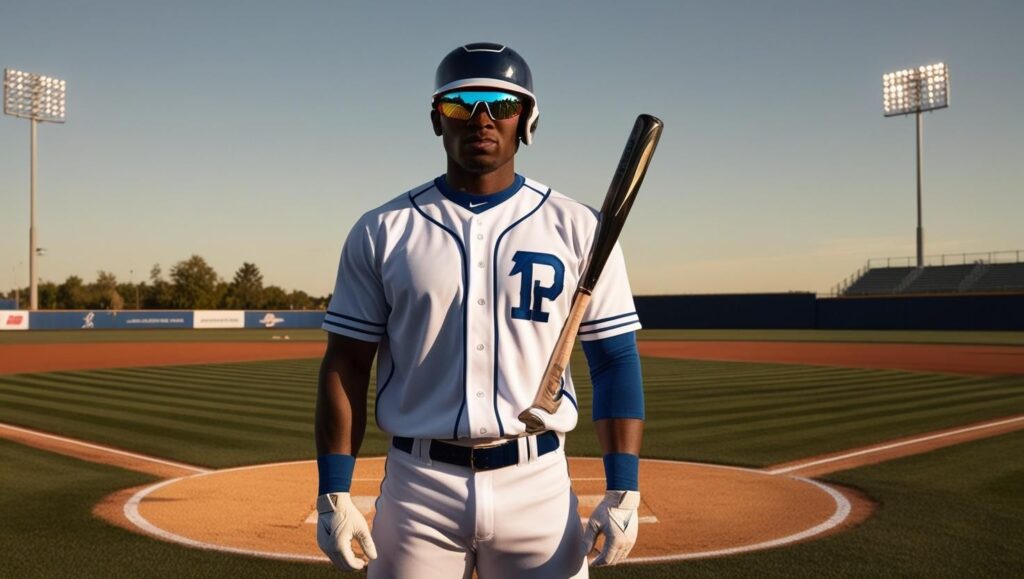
x,y
616,518
340,522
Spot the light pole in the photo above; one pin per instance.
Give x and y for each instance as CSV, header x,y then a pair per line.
x,y
37,98
914,91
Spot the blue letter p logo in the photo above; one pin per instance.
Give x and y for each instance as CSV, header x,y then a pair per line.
x,y
531,293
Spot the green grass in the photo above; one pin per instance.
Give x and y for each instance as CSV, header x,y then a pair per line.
x,y
952,513
736,413
956,512
48,529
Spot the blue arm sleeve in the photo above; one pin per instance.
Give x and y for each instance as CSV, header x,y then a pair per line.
x,y
615,372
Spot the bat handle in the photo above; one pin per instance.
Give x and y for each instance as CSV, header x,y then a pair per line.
x,y
549,397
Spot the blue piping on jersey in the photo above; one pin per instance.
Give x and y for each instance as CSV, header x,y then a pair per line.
x,y
420,192
354,319
465,296
525,184
607,319
494,265
360,330
376,403
564,392
608,328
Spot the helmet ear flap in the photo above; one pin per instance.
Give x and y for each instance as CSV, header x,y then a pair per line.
x,y
435,120
528,124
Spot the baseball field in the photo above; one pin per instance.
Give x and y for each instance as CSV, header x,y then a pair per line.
x,y
767,454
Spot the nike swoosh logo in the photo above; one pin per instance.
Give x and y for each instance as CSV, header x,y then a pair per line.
x,y
475,205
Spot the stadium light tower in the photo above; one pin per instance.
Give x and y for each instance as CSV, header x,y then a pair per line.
x,y
37,98
914,91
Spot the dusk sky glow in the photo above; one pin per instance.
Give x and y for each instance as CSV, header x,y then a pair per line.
x,y
260,131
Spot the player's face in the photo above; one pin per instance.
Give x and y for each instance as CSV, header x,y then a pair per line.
x,y
479,144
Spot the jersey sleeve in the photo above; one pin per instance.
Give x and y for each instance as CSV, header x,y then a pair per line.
x,y
358,308
611,311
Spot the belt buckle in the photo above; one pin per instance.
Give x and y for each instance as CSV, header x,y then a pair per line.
x,y
472,459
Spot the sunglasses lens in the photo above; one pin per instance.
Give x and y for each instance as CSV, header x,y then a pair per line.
x,y
453,110
460,105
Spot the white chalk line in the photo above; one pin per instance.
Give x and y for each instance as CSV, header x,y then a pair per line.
x,y
842,511
105,449
875,449
131,512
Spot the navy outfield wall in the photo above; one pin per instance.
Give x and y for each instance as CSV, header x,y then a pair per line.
x,y
792,311
109,320
274,319
171,319
934,312
805,311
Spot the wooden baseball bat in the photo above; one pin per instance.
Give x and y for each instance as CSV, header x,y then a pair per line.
x,y
625,185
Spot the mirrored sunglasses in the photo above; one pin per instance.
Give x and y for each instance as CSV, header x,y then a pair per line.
x,y
461,105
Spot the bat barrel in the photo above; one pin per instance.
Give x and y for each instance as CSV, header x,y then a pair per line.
x,y
629,175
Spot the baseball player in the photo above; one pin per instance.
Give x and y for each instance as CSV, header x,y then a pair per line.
x,y
459,287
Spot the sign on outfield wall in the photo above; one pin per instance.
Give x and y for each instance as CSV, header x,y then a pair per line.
x,y
110,320
208,319
13,320
283,319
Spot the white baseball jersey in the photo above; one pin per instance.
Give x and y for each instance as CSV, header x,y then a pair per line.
x,y
467,295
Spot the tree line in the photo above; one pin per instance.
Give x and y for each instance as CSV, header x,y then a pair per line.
x,y
192,285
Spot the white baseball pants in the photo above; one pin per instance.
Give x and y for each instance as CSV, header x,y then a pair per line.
x,y
436,520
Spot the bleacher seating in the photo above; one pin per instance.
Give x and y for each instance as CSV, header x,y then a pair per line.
x,y
881,280
939,279
1000,277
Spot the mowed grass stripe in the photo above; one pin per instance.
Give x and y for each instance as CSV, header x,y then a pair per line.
x,y
211,422
740,413
784,396
124,389
182,412
750,406
760,414
289,388
144,416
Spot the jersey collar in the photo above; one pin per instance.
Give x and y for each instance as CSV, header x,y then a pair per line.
x,y
478,203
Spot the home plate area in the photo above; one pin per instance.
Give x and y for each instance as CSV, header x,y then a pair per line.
x,y
689,510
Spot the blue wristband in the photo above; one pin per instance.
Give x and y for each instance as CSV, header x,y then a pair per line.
x,y
335,472
622,471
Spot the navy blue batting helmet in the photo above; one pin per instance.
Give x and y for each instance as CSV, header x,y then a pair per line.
x,y
489,65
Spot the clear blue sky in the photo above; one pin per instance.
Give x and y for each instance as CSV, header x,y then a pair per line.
x,y
260,131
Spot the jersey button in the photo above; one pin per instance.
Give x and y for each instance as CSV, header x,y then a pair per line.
x,y
479,236
480,394
479,264
481,301
479,346
483,431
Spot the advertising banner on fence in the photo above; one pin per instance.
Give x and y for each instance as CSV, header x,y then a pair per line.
x,y
110,320
284,319
205,319
13,320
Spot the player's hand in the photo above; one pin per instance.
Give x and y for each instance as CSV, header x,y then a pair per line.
x,y
340,522
616,518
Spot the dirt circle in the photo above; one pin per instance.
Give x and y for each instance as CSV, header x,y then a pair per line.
x,y
689,510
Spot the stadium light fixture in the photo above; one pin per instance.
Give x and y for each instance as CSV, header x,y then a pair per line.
x,y
915,91
37,98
